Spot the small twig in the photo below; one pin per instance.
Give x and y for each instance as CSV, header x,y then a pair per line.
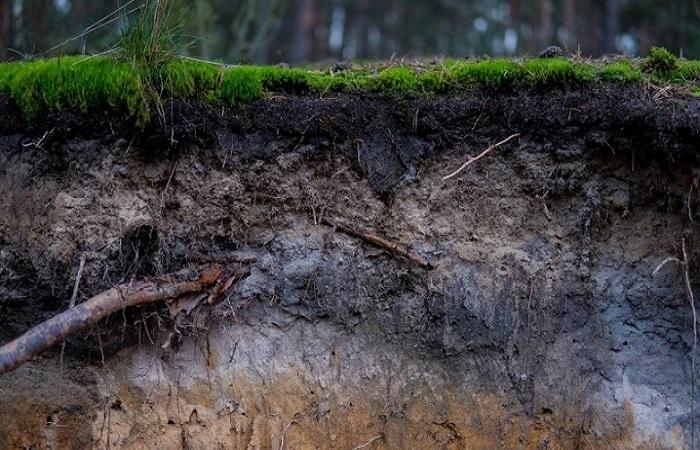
x,y
371,441
479,156
392,247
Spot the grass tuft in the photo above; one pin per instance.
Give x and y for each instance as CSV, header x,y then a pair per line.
x,y
660,62
155,37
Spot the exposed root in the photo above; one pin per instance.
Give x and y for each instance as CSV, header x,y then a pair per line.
x,y
284,432
39,144
479,156
84,315
370,442
74,297
684,264
392,247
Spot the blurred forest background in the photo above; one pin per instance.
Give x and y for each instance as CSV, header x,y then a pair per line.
x,y
272,31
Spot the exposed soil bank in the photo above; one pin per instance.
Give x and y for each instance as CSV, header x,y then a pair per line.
x,y
540,327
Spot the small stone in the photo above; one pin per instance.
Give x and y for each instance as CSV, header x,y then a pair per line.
x,y
552,52
341,66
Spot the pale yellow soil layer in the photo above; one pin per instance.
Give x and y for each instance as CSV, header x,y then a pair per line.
x,y
255,389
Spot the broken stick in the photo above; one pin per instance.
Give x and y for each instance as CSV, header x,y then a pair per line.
x,y
392,247
479,156
84,315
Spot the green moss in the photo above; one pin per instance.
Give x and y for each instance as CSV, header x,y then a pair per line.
x,y
687,71
438,79
184,78
76,82
394,80
7,71
620,72
557,71
326,82
491,73
284,79
660,62
242,84
86,83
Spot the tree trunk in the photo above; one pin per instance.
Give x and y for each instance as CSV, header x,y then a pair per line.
x,y
11,27
4,29
304,31
569,13
363,30
35,25
546,9
612,25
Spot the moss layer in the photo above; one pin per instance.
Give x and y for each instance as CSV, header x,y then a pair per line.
x,y
86,83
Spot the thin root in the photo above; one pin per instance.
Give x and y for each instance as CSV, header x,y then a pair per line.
x,y
479,156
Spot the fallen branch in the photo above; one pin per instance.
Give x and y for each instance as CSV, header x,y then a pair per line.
x,y
84,315
392,247
479,156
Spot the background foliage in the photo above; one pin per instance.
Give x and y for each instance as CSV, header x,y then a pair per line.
x,y
271,31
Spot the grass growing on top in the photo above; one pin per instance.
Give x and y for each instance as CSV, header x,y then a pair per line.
x,y
132,87
155,36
